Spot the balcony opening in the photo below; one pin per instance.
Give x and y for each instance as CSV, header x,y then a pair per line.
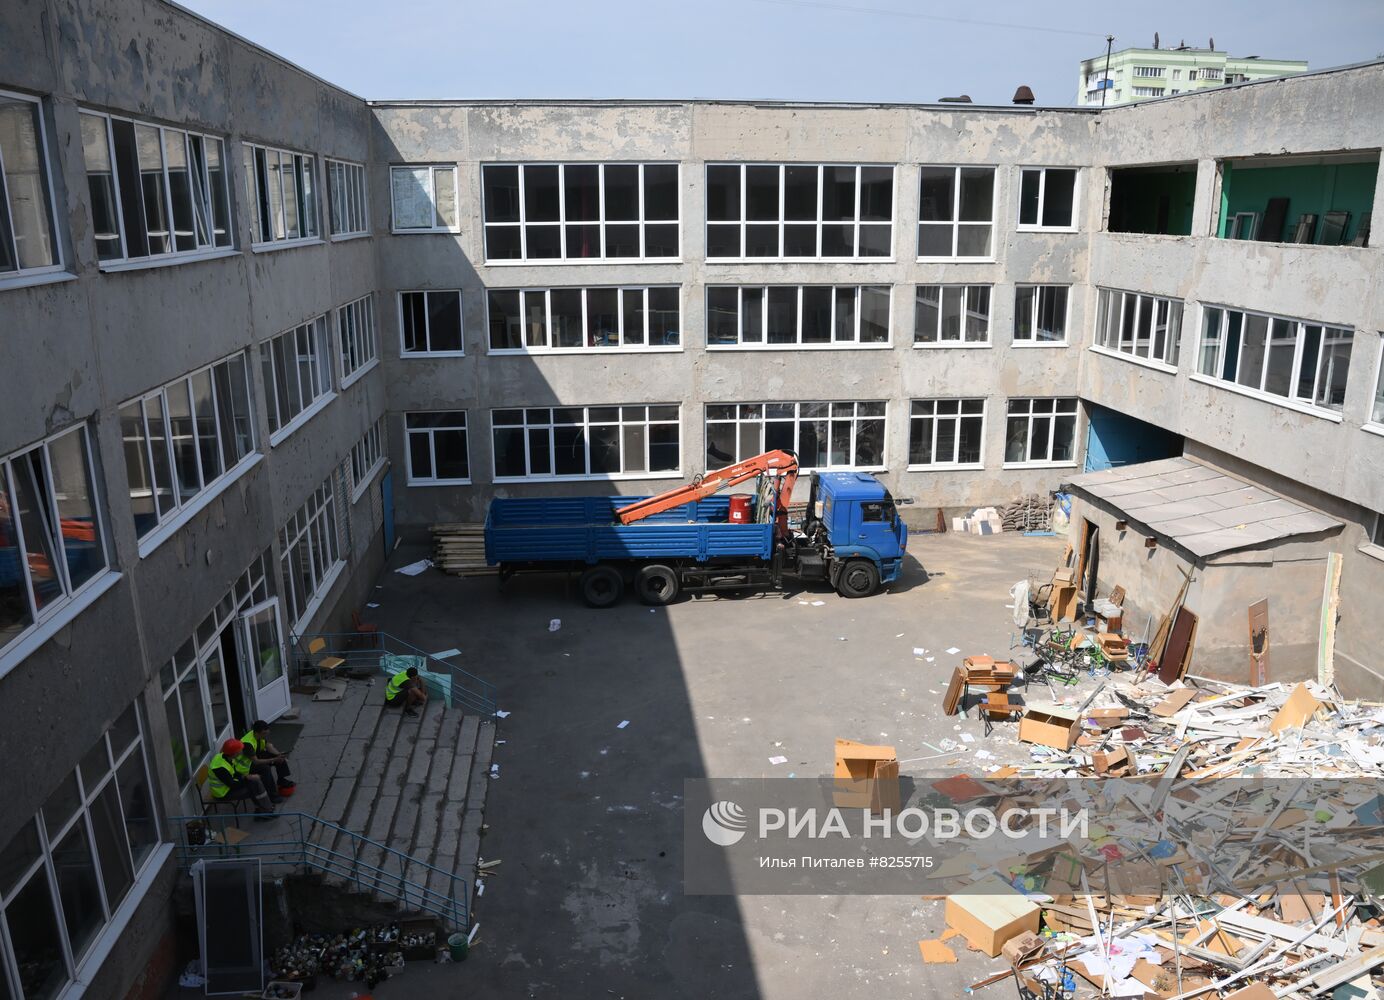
x,y
1324,200
1153,199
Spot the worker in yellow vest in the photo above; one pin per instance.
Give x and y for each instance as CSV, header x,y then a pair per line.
x,y
227,782
267,760
404,690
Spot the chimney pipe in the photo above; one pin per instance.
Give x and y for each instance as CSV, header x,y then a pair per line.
x,y
1023,95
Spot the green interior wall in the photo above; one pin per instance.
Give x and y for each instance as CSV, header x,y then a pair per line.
x,y
1134,196
1345,187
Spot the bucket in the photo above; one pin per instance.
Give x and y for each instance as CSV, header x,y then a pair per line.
x,y
740,509
458,946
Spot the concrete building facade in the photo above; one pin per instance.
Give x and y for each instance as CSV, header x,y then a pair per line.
x,y
251,322
1134,74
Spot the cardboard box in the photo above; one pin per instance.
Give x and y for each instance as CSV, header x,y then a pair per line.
x,y
1050,727
1111,761
990,914
867,776
1024,948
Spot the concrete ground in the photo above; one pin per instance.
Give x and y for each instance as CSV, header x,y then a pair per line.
x,y
586,817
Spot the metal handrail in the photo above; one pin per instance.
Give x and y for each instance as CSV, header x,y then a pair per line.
x,y
471,692
299,850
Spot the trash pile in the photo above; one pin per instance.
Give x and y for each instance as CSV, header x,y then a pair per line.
x,y
363,954
1032,513
1233,846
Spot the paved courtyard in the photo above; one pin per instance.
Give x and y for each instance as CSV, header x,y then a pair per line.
x,y
586,819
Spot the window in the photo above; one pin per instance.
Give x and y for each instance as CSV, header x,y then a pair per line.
x,y
297,375
581,211
431,322
956,213
1047,198
1148,91
310,553
1142,326
28,244
1177,75
824,435
1208,73
367,455
346,198
1040,314
1305,363
1148,70
186,439
69,868
438,449
945,433
797,315
799,210
1377,412
284,195
586,442
1040,432
155,191
355,325
424,199
52,540
537,320
951,315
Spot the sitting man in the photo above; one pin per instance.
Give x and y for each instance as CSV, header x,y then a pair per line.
x,y
405,689
267,761
227,782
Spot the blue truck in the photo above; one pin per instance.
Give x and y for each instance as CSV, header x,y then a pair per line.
x,y
850,537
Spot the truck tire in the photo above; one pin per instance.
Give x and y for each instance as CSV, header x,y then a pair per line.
x,y
859,578
657,584
602,587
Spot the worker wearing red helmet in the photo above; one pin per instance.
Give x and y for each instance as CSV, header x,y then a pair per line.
x,y
227,783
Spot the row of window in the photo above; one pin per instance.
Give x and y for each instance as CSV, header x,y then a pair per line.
x,y
582,442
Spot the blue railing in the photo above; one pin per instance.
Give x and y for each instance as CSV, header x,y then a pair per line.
x,y
366,651
313,844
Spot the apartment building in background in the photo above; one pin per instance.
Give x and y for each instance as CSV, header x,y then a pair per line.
x,y
1134,74
254,325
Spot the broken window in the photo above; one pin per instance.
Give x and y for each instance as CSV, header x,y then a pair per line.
x,y
797,315
536,320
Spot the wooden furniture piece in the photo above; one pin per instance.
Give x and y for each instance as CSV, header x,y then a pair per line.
x,y
324,664
365,630
997,708
867,777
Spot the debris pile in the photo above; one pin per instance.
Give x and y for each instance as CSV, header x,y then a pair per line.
x,y
1029,513
362,954
459,549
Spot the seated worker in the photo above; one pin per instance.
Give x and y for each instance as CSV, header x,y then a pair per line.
x,y
404,690
227,782
268,762
247,767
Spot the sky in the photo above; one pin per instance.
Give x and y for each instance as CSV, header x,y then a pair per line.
x,y
829,50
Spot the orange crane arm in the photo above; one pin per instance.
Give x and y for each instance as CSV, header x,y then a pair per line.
x,y
782,463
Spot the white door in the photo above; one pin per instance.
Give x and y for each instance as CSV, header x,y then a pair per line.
x,y
262,659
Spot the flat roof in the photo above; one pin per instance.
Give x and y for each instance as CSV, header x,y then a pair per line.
x,y
1202,509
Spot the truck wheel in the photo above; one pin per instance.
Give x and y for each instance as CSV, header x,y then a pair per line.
x,y
602,586
657,585
858,578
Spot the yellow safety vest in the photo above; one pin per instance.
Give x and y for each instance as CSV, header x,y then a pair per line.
x,y
216,785
249,740
242,764
396,682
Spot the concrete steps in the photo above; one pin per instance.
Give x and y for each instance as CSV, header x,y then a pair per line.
x,y
415,785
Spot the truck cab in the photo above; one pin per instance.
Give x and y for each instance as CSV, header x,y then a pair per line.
x,y
856,517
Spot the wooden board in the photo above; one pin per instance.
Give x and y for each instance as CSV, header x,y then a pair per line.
x,y
1259,643
956,690
1178,651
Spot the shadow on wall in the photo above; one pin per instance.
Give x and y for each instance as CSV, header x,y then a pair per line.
x,y
589,825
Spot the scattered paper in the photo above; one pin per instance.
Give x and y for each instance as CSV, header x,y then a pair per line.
x,y
919,651
931,659
494,770
480,887
984,755
372,604
778,760
818,604
413,569
500,713
446,653
554,624
623,724
953,651
967,738
899,636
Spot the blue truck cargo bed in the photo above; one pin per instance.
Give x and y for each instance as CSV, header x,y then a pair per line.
x,y
585,530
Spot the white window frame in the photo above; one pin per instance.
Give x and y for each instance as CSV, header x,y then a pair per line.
x,y
1047,463
314,525
1038,227
586,347
563,222
464,426
320,361
550,424
367,458
956,418
357,338
23,276
1036,311
354,207
1148,71
1375,422
949,345
819,222
438,225
1110,322
1290,402
956,222
304,165
1148,91
797,420
404,352
797,345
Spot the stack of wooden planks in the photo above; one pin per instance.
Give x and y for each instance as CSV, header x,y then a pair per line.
x,y
459,549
